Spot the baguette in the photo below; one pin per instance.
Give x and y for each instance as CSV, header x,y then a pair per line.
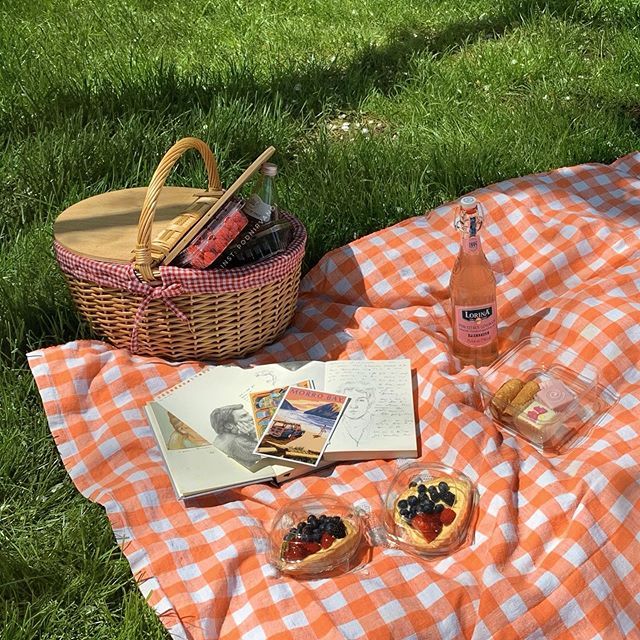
x,y
522,399
503,396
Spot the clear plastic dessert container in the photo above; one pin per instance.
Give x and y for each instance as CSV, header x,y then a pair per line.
x,y
317,537
430,510
544,394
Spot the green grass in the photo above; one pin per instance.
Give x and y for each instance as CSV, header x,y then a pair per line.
x,y
454,95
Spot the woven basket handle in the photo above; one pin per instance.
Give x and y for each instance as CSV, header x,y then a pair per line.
x,y
143,246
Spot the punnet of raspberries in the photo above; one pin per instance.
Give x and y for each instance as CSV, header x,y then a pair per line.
x,y
212,241
311,535
427,509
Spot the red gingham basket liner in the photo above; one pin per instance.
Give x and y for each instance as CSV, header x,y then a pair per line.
x,y
191,281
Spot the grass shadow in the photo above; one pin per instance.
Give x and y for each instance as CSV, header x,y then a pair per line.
x,y
302,90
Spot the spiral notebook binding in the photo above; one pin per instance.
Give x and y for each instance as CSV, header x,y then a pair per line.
x,y
179,385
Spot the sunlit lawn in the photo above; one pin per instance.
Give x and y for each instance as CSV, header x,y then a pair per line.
x,y
379,110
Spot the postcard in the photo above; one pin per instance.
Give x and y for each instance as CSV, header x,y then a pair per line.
x,y
265,403
302,426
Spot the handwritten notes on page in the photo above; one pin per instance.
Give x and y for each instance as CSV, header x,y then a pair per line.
x,y
379,420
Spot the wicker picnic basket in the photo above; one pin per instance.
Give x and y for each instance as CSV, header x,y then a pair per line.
x,y
134,301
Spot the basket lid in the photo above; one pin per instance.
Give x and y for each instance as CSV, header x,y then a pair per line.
x,y
105,227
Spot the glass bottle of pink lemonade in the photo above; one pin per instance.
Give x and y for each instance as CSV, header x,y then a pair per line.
x,y
472,288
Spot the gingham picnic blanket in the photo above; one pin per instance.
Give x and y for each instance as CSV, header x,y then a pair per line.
x,y
557,542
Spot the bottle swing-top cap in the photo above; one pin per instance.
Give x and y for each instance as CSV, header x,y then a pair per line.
x,y
468,203
269,169
470,215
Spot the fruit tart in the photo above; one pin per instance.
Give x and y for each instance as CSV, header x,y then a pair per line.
x,y
321,536
430,509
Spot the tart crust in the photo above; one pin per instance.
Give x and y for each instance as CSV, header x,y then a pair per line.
x,y
460,490
324,559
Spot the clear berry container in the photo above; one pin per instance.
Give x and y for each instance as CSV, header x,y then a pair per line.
x,y
317,537
544,394
214,238
430,510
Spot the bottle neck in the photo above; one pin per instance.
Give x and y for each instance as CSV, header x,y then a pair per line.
x,y
264,189
470,245
469,239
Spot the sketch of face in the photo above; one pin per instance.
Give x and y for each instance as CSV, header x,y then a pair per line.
x,y
358,405
244,422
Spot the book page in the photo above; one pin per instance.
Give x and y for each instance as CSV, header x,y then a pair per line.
x,y
193,465
379,417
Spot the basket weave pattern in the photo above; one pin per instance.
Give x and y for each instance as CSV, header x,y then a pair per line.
x,y
183,314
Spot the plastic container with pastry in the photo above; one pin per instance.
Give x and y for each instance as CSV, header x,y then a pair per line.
x,y
430,510
544,393
316,537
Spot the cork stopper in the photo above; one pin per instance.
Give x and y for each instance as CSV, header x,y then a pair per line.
x,y
269,169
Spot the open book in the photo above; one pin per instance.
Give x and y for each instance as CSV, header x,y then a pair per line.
x,y
206,432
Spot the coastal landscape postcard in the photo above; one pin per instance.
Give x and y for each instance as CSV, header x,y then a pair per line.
x,y
265,403
302,426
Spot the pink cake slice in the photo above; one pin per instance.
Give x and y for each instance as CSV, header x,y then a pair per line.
x,y
555,395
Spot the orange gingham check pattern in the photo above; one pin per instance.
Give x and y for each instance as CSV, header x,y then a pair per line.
x,y
557,543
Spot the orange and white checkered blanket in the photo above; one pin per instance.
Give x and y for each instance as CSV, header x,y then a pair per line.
x,y
557,545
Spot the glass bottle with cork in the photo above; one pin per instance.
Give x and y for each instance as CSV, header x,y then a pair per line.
x,y
472,289
261,205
